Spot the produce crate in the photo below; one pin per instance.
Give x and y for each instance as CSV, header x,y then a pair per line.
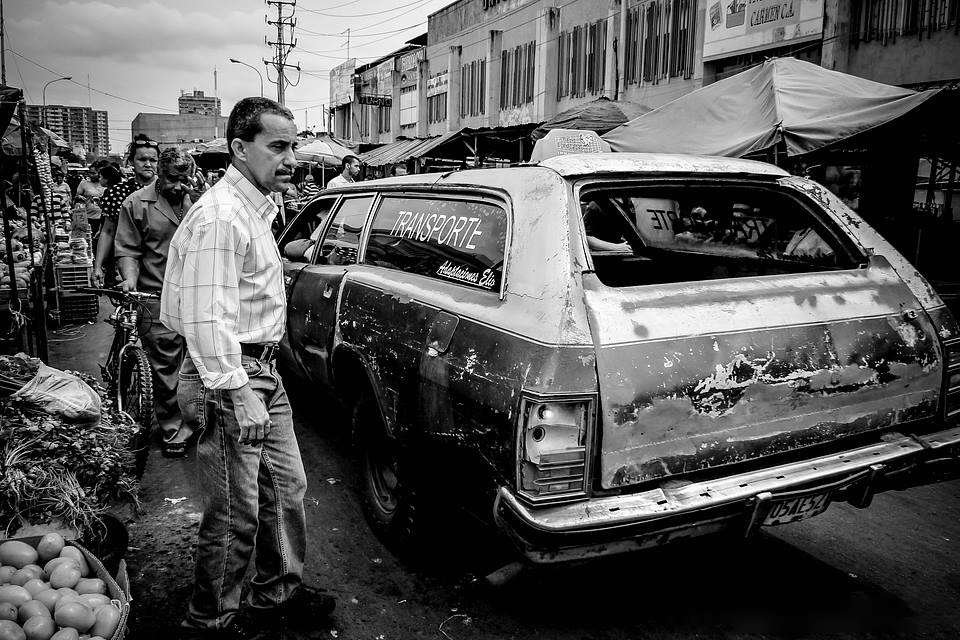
x,y
73,275
78,307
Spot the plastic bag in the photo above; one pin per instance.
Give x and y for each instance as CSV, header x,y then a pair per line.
x,y
62,394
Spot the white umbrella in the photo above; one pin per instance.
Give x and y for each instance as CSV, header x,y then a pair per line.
x,y
322,150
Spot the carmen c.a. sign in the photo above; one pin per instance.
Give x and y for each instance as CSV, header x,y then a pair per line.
x,y
741,26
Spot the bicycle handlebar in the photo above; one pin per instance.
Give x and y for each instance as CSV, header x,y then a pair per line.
x,y
135,295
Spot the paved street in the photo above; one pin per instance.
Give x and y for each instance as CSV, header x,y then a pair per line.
x,y
889,570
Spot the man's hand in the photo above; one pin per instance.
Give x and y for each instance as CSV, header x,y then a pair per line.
x,y
128,285
98,276
251,414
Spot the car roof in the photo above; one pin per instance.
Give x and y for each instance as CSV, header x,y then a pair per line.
x,y
587,164
580,164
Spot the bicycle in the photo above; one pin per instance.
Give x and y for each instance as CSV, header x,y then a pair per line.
x,y
127,373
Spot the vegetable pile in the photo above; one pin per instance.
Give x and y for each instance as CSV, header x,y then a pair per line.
x,y
57,601
54,470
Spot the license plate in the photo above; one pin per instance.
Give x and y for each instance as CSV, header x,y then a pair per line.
x,y
794,509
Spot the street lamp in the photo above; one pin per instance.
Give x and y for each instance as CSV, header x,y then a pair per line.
x,y
44,113
235,61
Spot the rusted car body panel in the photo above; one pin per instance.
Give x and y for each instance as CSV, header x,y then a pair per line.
x,y
788,362
712,399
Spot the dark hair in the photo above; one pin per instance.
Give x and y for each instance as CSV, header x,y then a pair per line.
x,y
140,141
111,173
347,159
244,121
99,164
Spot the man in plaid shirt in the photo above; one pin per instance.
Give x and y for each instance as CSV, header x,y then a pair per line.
x,y
223,291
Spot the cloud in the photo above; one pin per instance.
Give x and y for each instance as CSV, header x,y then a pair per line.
x,y
171,34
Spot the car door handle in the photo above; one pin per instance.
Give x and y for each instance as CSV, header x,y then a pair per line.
x,y
327,291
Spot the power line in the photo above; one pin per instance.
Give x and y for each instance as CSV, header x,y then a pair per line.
x,y
105,93
362,35
364,15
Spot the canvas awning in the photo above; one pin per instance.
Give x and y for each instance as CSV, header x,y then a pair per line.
x,y
490,142
802,105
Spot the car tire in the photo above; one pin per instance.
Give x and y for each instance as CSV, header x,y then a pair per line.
x,y
387,483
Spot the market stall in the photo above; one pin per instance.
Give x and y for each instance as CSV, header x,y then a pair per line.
x,y
26,194
67,465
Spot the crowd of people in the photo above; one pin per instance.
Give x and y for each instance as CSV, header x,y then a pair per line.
x,y
205,243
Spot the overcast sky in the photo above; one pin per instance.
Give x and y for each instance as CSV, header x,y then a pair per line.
x,y
147,52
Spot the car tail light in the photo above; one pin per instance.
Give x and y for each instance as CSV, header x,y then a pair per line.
x,y
553,443
951,349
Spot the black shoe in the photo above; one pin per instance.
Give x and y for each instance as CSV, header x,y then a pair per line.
x,y
308,605
305,609
232,632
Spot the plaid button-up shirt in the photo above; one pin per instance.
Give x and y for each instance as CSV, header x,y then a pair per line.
x,y
223,284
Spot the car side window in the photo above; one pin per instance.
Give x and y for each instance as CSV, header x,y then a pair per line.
x,y
299,239
341,243
448,239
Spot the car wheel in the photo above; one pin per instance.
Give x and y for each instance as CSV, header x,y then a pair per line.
x,y
387,486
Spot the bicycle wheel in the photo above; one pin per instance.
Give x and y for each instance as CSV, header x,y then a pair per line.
x,y
135,398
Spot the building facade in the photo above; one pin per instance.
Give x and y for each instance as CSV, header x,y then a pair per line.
x,y
489,63
179,129
84,128
197,103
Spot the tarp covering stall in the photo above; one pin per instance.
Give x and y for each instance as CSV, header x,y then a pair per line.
x,y
600,115
783,100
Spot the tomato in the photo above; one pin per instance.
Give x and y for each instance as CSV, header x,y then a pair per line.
x,y
67,633
39,628
68,597
56,562
10,630
26,574
50,546
8,611
14,595
74,614
49,598
6,572
108,619
33,608
76,554
65,575
35,586
91,585
95,600
17,554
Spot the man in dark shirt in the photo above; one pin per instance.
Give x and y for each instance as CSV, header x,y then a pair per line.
x,y
148,219
142,154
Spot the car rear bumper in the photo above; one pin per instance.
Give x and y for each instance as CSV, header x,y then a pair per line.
x,y
676,509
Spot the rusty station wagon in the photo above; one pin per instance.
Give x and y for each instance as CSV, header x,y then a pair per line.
x,y
612,351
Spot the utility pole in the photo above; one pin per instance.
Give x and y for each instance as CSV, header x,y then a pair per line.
x,y
3,49
282,45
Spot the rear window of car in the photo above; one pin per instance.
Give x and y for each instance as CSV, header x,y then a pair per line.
x,y
454,240
688,232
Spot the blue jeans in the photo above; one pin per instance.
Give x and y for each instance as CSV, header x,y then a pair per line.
x,y
252,499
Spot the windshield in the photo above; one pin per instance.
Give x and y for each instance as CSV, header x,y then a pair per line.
x,y
703,231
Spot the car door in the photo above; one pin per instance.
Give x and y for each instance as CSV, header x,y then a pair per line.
x,y
315,295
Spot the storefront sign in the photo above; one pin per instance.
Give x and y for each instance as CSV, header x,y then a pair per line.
x,y
377,101
743,26
341,83
437,84
385,77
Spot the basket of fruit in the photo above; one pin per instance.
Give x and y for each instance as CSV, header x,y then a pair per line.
x,y
55,589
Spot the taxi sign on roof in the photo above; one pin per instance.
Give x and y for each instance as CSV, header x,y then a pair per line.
x,y
559,142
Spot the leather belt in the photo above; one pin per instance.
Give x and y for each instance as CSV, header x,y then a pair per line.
x,y
265,352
